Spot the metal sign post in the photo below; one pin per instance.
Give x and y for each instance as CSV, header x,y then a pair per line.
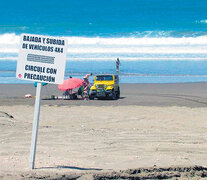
x,y
35,126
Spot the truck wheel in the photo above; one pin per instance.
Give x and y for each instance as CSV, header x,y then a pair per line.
x,y
118,94
91,98
113,95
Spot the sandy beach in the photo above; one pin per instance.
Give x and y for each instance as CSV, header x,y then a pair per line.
x,y
152,131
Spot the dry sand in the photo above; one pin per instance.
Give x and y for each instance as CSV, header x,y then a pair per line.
x,y
153,131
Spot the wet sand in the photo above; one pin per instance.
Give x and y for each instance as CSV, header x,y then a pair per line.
x,y
153,131
162,95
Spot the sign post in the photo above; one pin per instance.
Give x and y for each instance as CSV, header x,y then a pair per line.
x,y
35,126
41,59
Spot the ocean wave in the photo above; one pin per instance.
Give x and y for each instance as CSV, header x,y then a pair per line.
x,y
13,39
201,40
203,21
9,38
126,50
84,48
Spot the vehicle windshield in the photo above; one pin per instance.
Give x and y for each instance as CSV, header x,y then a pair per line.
x,y
104,78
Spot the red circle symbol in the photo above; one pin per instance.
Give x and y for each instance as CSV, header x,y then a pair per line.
x,y
19,75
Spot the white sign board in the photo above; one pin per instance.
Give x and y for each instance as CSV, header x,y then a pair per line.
x,y
42,58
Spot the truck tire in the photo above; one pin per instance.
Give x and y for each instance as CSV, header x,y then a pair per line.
x,y
118,94
91,98
113,95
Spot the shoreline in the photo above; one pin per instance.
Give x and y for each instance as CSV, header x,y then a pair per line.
x,y
172,94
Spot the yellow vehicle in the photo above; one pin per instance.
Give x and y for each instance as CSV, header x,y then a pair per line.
x,y
105,86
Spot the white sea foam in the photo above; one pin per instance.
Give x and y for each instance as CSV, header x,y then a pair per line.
x,y
9,39
203,21
201,40
123,47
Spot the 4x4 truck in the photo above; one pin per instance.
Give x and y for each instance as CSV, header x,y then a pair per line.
x,y
105,86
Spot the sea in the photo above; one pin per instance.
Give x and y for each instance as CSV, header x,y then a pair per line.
x,y
156,41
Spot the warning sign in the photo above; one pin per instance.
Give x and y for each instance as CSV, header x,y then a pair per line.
x,y
42,58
